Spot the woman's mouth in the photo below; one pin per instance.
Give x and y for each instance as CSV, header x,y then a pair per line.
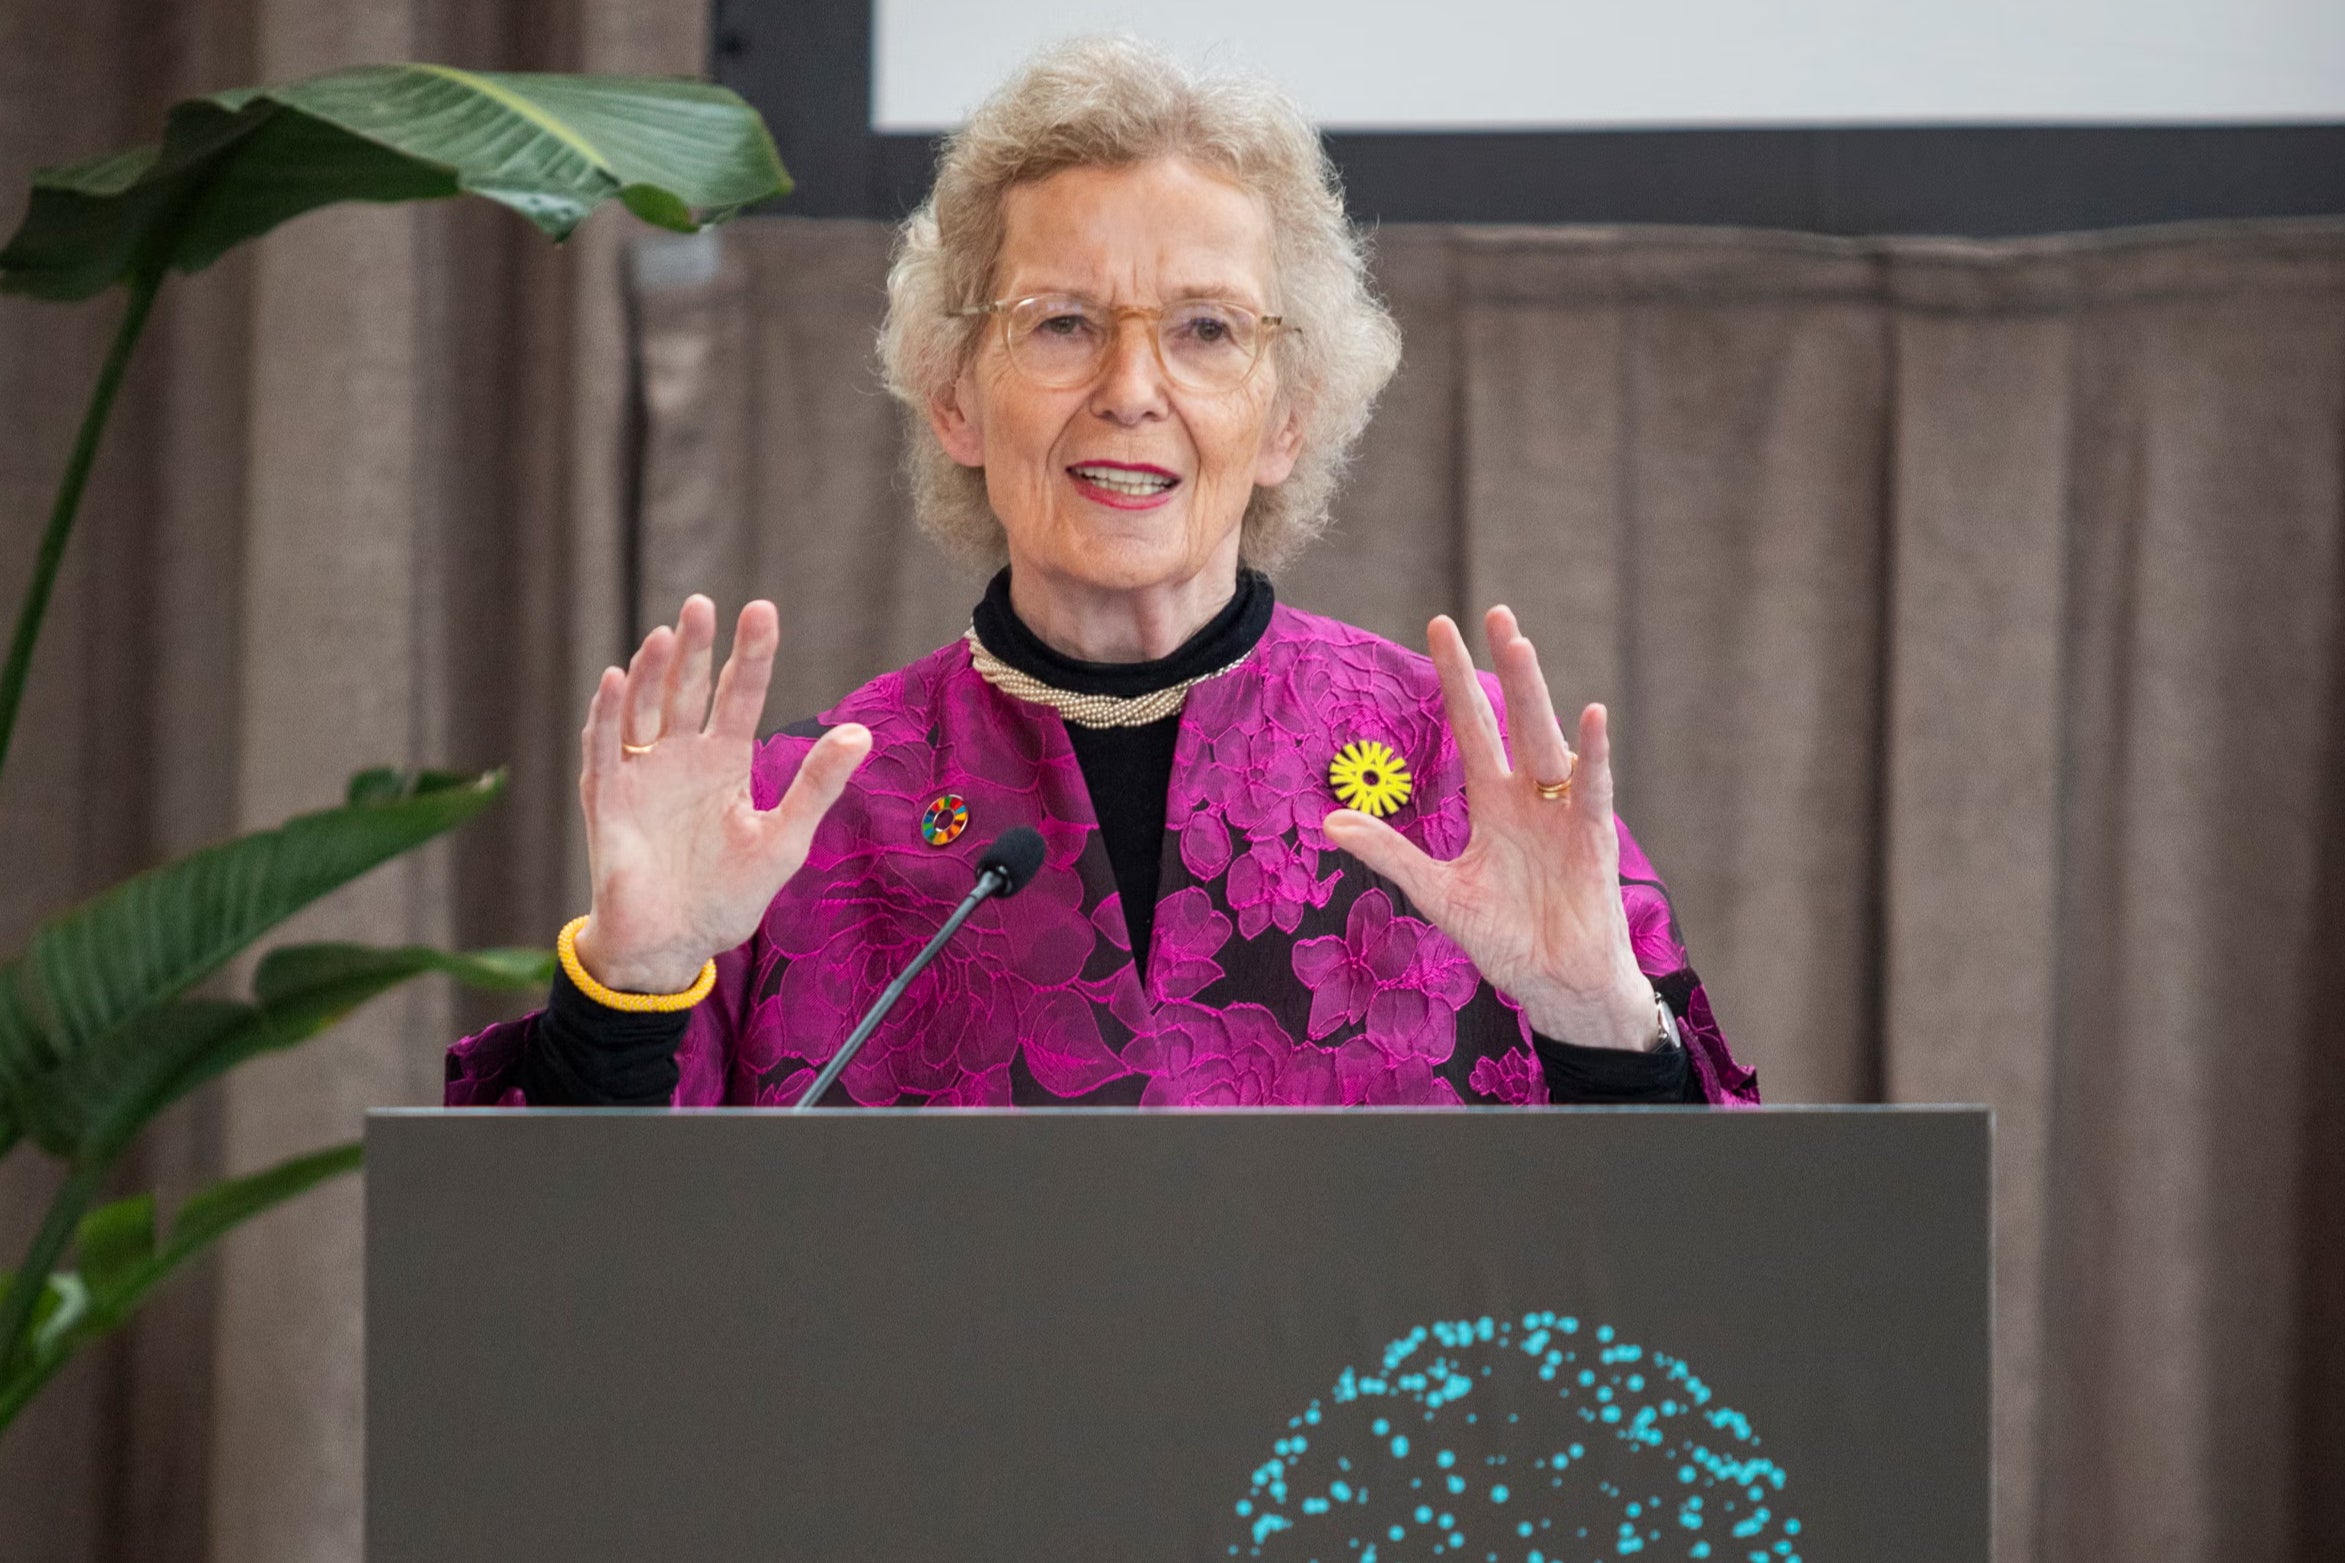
x,y
1121,485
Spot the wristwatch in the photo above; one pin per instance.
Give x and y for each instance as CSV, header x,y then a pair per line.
x,y
1669,1033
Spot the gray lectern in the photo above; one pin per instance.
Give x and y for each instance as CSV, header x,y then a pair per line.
x,y
1357,1337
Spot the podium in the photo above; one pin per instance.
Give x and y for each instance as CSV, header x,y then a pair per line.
x,y
1528,1335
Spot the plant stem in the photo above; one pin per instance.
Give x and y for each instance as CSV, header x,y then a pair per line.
x,y
48,1246
16,1393
144,284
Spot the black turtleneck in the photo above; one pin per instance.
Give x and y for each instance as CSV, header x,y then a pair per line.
x,y
1128,770
582,1054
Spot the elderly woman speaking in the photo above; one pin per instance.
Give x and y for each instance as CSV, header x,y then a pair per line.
x,y
1287,863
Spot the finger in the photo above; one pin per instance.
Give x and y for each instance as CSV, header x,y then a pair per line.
x,y
1386,851
1592,789
740,700
684,705
647,676
598,741
822,777
1471,721
1534,735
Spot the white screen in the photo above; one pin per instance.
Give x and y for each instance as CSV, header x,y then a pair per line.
x,y
1384,64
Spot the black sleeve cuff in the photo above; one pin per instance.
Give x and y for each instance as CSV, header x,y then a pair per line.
x,y
584,1054
1612,1076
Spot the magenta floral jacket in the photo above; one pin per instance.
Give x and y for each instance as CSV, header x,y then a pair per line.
x,y
1282,972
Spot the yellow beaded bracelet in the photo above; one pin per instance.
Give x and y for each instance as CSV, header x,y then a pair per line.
x,y
635,1003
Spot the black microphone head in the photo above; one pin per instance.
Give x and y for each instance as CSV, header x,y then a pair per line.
x,y
1015,856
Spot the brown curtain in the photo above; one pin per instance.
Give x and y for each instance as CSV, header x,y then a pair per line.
x,y
365,501
1974,616
1971,613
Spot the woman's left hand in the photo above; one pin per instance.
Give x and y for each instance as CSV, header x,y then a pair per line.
x,y
1534,899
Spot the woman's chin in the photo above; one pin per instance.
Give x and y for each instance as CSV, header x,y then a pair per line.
x,y
1133,553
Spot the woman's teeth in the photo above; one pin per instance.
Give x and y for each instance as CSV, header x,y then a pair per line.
x,y
1116,480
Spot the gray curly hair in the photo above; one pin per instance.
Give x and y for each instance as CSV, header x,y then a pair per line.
x,y
1111,102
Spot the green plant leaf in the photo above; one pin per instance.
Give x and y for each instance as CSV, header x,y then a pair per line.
x,y
303,990
78,1308
95,970
386,783
89,1108
86,1109
115,1240
297,969
60,1312
235,164
211,1214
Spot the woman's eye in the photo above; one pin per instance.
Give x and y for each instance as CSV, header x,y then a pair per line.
x,y
1062,326
1205,329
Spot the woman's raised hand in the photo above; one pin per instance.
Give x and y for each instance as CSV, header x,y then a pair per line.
x,y
1534,899
683,862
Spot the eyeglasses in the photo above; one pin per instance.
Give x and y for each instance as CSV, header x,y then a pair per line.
x,y
1060,340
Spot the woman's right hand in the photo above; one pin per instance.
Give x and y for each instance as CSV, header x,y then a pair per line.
x,y
683,862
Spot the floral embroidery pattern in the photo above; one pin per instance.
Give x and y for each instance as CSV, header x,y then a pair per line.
x,y
1238,1056
1510,1077
1189,933
1344,975
1399,975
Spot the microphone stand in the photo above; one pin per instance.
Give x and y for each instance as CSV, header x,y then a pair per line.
x,y
991,882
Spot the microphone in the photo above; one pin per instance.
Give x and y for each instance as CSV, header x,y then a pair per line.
x,y
1007,865
1015,858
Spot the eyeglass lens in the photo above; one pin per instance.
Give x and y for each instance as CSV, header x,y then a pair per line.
x,y
1204,344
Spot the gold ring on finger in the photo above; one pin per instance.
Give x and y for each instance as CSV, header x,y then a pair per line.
x,y
637,751
1558,789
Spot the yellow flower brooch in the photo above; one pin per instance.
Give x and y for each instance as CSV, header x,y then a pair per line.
x,y
1369,777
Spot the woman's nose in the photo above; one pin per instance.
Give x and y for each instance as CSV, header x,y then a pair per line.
x,y
1131,386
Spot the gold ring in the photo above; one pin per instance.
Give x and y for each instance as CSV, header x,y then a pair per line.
x,y
636,751
1562,789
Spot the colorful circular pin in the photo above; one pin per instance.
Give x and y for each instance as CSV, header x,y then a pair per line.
x,y
947,817
1369,777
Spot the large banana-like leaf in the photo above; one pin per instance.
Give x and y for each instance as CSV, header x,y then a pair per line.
x,y
233,165
315,978
77,1109
96,969
88,1108
121,1261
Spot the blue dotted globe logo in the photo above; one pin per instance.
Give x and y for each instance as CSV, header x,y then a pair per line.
x,y
1517,1441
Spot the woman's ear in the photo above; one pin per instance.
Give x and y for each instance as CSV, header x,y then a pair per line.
x,y
1280,446
955,418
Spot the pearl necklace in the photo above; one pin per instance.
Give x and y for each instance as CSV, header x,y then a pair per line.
x,y
1084,710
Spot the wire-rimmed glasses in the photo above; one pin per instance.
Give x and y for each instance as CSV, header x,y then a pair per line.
x,y
1060,340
